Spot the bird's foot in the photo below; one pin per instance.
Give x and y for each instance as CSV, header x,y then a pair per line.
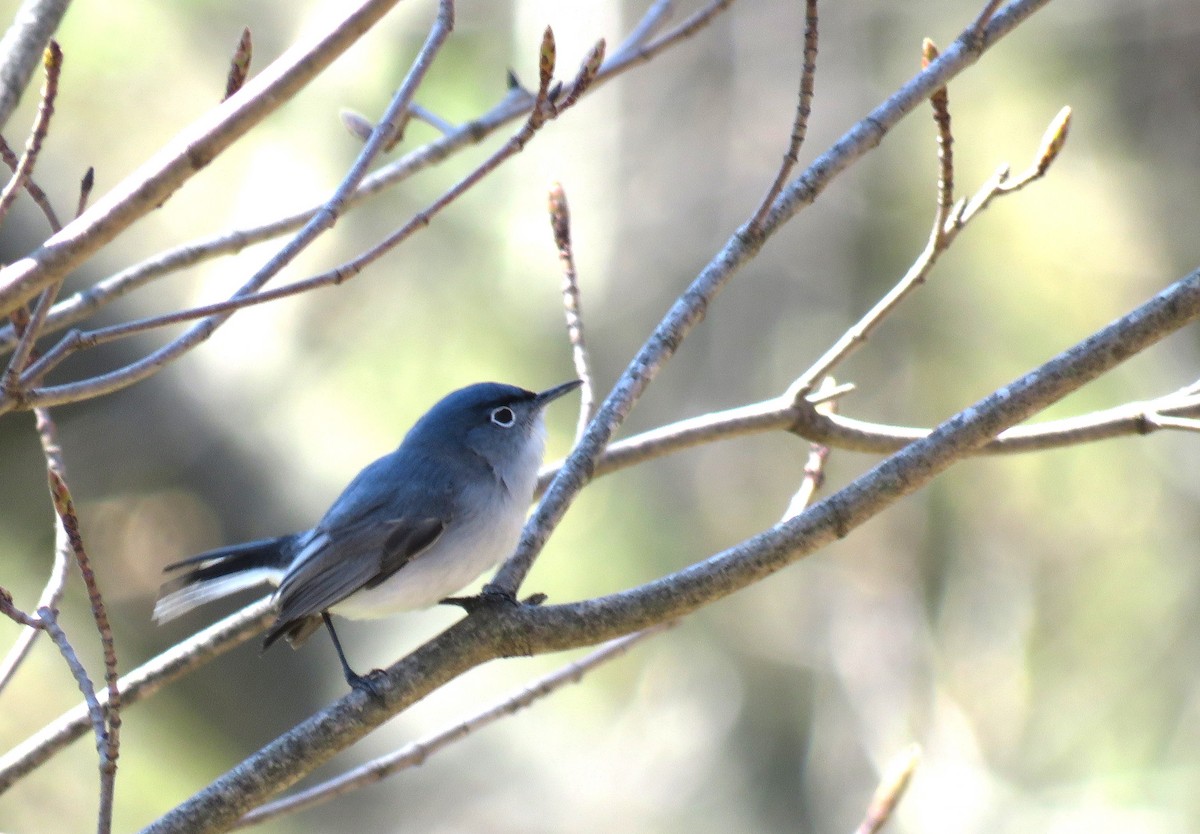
x,y
371,683
491,597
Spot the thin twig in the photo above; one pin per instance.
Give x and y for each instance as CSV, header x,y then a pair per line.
x,y
1001,183
56,583
432,119
689,309
52,65
985,17
890,790
808,73
940,102
814,477
916,275
248,295
65,508
841,432
1159,421
139,684
320,222
151,185
632,54
9,157
651,23
101,727
31,326
504,631
814,467
419,752
23,46
560,224
516,103
9,609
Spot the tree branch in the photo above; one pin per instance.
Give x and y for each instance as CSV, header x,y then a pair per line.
x,y
150,186
419,752
139,684
516,103
689,309
521,630
21,49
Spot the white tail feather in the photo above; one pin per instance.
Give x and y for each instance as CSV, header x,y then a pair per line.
x,y
180,602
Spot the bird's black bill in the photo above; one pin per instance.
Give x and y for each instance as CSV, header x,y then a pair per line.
x,y
551,394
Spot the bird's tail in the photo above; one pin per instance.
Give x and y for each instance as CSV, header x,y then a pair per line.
x,y
220,572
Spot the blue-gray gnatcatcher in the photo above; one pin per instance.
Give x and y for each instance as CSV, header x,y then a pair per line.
x,y
411,528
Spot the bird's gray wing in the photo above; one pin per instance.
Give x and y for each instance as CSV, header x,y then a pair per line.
x,y
337,563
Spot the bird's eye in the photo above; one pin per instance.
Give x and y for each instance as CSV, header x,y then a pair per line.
x,y
503,417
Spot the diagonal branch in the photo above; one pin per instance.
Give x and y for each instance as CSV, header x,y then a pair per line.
x,y
689,309
516,103
419,752
151,185
137,685
518,630
319,223
21,49
56,583
560,224
808,73
247,296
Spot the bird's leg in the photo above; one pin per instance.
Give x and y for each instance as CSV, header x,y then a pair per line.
x,y
368,683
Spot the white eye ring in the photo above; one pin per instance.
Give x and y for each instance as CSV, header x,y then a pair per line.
x,y
503,417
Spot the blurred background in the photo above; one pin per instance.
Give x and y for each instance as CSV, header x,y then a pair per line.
x,y
1030,621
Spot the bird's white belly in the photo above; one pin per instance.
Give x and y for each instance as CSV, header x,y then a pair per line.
x,y
453,562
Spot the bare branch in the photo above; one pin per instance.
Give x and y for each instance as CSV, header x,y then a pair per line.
x,y
1001,183
139,684
22,47
217,313
560,223
418,752
891,790
808,73
505,631
945,232
320,222
841,432
149,187
103,730
985,17
940,101
632,53
690,307
56,583
52,61
432,119
1180,423
110,741
35,192
9,609
651,23
516,103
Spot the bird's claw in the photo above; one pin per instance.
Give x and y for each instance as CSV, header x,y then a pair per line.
x,y
492,598
371,683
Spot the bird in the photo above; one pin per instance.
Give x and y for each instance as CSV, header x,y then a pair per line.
x,y
413,527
